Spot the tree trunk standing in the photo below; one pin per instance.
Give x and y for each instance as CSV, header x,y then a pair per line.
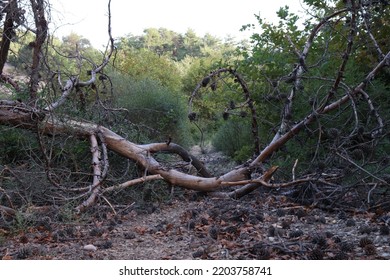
x,y
8,32
40,38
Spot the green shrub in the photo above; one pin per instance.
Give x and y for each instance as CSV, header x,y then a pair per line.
x,y
156,110
14,144
234,139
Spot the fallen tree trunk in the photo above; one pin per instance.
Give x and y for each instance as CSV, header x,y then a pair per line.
x,y
21,115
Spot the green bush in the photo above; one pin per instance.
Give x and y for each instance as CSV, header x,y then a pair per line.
x,y
156,110
234,139
14,144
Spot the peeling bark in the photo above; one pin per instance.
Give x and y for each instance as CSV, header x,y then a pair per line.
x,y
21,115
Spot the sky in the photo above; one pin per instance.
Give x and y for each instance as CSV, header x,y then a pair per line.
x,y
218,18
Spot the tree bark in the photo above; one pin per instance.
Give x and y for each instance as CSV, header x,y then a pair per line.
x,y
21,115
40,38
8,32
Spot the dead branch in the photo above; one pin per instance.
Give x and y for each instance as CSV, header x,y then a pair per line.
x,y
277,143
368,30
374,111
102,139
132,183
74,82
104,157
346,55
49,174
249,185
177,149
139,153
5,193
97,175
296,75
361,168
7,210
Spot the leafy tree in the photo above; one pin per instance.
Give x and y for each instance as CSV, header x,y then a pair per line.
x,y
297,71
145,64
173,45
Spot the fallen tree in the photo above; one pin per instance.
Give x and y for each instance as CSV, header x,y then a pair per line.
x,y
21,115
101,138
245,178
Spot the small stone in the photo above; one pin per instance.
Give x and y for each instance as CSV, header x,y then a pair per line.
x,y
90,247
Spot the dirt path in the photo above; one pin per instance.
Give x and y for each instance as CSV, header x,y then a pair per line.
x,y
257,227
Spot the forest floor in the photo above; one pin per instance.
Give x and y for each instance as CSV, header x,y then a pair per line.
x,y
261,225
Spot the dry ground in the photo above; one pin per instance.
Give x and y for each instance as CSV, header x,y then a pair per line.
x,y
256,227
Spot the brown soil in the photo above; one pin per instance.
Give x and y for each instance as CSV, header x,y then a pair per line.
x,y
257,227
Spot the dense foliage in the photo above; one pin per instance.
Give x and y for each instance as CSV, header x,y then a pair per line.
x,y
268,66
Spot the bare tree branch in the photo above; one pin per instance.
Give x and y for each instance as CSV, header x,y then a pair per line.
x,y
74,82
276,144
